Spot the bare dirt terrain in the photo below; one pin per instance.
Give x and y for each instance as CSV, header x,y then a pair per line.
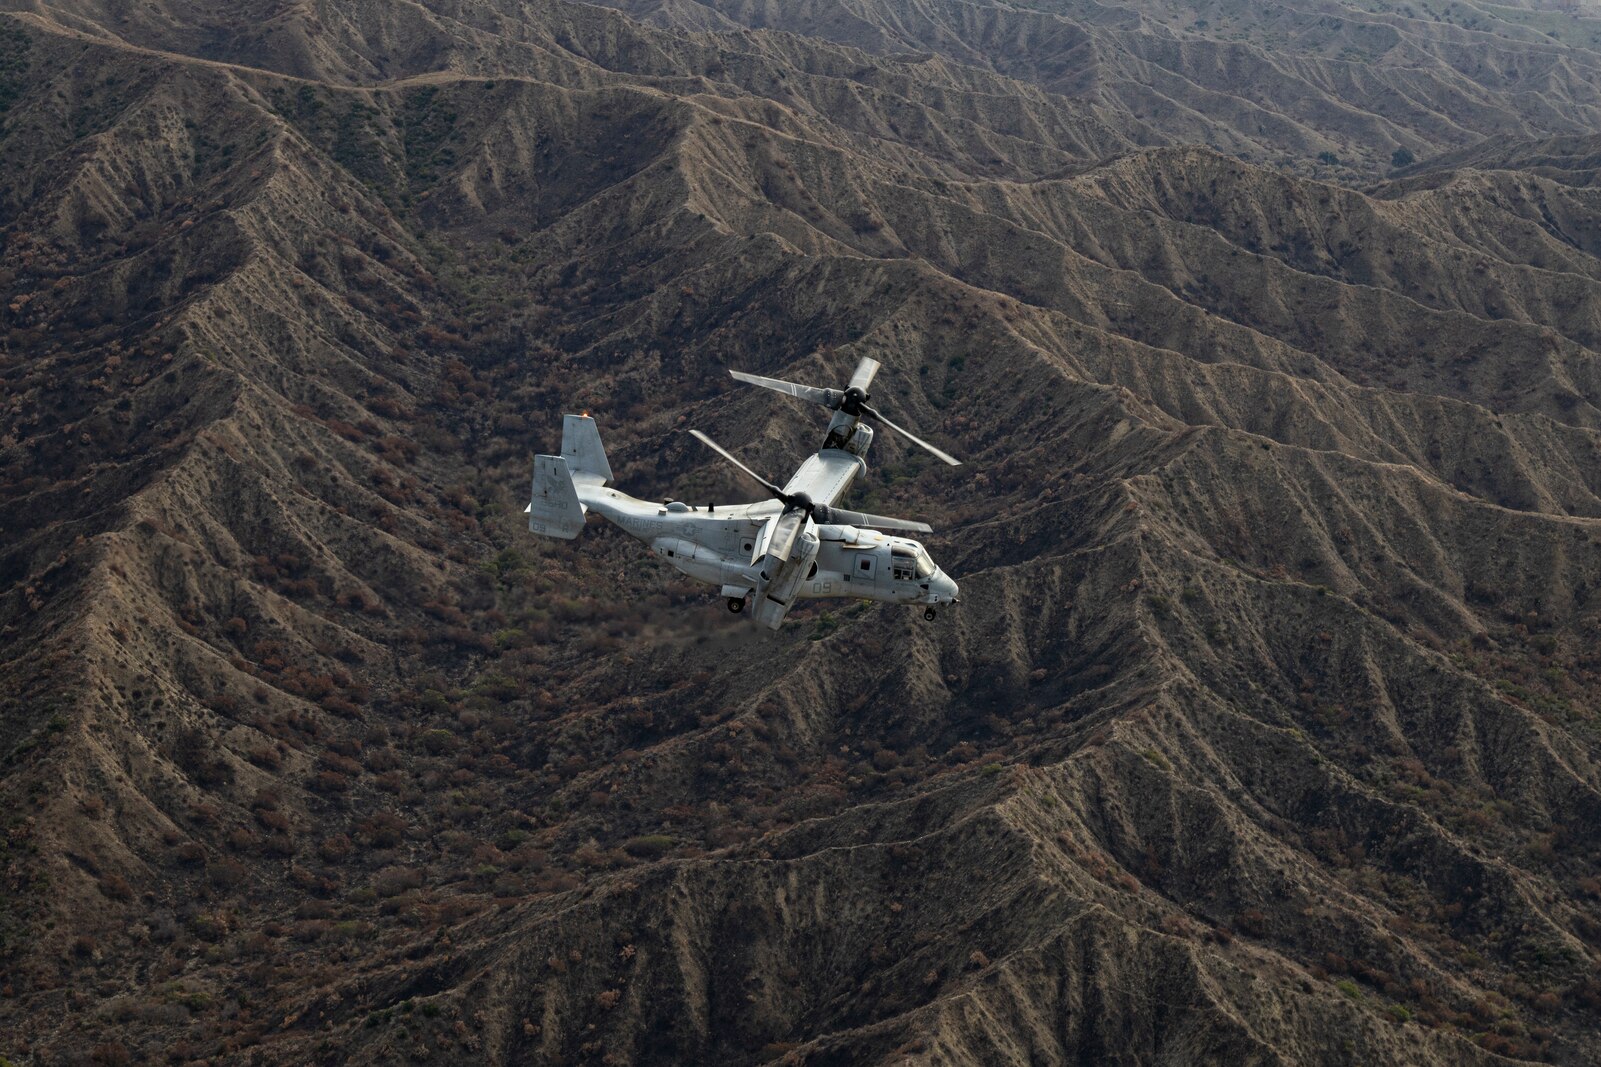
x,y
1268,731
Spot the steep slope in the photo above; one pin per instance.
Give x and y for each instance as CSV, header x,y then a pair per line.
x,y
1266,730
1568,160
1285,81
1331,89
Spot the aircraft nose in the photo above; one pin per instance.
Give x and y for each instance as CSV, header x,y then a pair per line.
x,y
948,589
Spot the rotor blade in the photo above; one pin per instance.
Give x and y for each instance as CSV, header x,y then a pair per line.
x,y
804,392
877,522
721,451
863,376
912,437
785,534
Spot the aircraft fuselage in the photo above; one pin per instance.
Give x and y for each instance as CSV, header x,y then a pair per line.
x,y
800,545
720,545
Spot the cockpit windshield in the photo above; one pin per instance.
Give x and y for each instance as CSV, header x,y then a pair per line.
x,y
925,566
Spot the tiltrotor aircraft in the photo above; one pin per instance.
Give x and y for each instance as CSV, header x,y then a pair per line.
x,y
773,552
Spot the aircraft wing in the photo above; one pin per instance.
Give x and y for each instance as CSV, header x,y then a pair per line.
x,y
826,475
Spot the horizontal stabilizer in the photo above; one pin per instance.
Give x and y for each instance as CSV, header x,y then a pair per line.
x,y
555,510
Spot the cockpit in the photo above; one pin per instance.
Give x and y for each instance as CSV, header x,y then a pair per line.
x,y
910,563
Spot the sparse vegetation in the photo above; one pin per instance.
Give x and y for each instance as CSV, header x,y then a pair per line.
x,y
305,735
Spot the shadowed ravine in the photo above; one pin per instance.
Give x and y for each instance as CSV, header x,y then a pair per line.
x,y
1267,730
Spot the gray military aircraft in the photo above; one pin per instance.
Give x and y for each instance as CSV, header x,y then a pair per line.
x,y
769,554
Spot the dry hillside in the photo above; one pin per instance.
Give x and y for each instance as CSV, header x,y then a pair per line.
x,y
1268,731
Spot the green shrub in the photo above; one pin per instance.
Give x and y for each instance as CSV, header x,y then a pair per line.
x,y
439,741
650,846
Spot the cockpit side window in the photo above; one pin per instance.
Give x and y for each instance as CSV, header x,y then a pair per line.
x,y
903,565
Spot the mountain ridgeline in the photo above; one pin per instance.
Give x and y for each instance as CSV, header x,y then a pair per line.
x,y
1268,730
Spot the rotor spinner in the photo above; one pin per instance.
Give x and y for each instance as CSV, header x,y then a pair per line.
x,y
849,406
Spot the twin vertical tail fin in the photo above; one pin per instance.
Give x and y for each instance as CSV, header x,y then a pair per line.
x,y
581,448
555,510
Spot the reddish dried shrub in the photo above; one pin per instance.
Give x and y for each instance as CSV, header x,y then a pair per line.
x,y
392,881
116,887
265,757
383,830
110,1054
336,848
190,854
225,873
330,782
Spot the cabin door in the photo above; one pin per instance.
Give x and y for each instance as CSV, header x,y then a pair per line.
x,y
863,572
